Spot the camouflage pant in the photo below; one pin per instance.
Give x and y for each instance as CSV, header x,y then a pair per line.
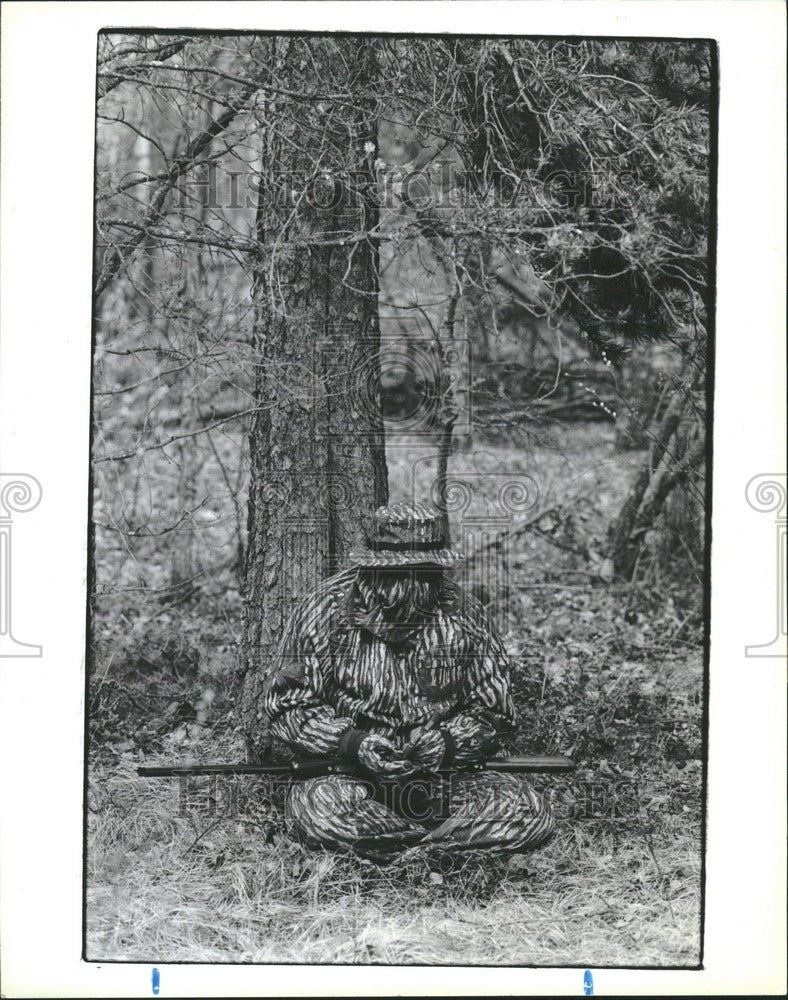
x,y
378,818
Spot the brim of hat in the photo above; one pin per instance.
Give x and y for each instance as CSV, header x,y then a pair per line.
x,y
440,557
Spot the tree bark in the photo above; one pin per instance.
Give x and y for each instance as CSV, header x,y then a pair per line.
x,y
669,463
447,417
317,451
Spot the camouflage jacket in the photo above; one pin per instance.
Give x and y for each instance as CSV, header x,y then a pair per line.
x,y
343,672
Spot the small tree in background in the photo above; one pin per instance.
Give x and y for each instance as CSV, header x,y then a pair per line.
x,y
576,176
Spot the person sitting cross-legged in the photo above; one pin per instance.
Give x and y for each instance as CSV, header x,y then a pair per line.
x,y
391,667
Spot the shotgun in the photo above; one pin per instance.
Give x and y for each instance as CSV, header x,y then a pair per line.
x,y
318,766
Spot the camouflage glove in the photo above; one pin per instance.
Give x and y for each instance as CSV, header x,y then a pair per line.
x,y
427,749
379,756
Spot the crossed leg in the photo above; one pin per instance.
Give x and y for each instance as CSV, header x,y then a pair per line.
x,y
339,812
496,812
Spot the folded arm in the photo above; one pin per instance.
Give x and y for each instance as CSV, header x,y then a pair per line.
x,y
296,701
473,733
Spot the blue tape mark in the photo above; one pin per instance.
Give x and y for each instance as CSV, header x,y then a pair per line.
x,y
155,980
588,983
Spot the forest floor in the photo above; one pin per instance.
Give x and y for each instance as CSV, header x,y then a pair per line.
x,y
609,674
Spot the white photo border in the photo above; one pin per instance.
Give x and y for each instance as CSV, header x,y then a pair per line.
x,y
48,111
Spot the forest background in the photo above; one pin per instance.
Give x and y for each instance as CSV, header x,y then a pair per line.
x,y
504,242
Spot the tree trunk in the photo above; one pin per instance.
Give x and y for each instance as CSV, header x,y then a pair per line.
x,y
447,417
317,453
669,463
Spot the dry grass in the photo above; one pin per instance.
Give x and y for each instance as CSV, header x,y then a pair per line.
x,y
164,886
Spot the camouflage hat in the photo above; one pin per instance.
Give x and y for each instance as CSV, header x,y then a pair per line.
x,y
406,535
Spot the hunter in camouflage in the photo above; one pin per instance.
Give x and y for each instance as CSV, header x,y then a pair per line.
x,y
390,666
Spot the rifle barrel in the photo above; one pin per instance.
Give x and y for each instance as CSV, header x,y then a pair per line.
x,y
531,765
330,765
200,770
